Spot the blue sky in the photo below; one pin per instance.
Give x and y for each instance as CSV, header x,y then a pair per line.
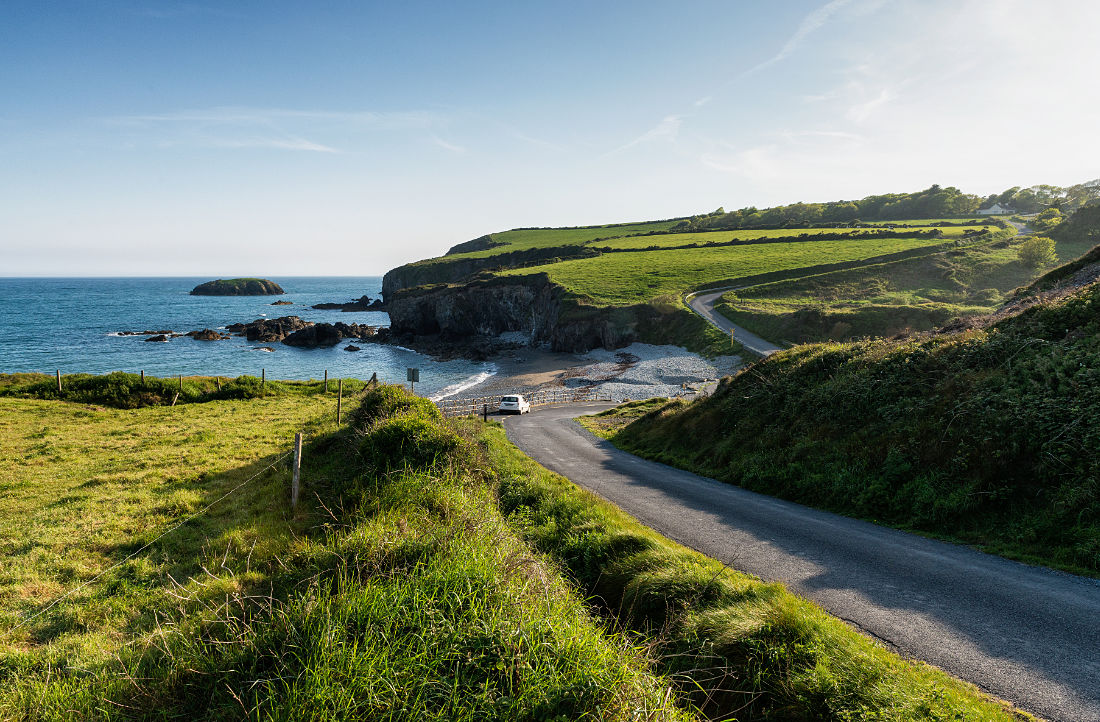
x,y
276,138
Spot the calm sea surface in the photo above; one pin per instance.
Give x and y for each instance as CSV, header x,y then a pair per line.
x,y
70,324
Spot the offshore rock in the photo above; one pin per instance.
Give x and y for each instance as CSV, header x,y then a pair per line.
x,y
269,330
238,287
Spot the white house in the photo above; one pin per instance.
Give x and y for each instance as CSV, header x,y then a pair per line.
x,y
996,210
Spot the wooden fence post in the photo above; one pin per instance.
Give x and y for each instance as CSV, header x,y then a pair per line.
x,y
175,398
143,377
297,472
59,381
263,380
181,383
326,381
339,397
485,412
218,379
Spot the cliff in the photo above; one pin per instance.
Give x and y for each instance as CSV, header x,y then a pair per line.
x,y
542,310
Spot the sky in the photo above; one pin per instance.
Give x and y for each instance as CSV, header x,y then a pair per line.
x,y
346,138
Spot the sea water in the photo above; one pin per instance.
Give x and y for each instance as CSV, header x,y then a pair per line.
x,y
72,324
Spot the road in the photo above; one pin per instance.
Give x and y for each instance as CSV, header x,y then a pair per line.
x,y
1025,634
703,304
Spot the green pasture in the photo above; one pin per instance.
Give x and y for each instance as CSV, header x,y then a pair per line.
x,y
522,240
682,239
626,278
85,485
884,299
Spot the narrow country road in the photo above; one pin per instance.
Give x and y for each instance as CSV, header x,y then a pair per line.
x,y
1025,634
703,304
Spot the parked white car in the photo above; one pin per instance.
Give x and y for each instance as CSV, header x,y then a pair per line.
x,y
514,405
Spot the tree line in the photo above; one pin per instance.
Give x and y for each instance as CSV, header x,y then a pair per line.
x,y
932,202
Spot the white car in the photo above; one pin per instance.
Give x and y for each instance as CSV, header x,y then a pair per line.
x,y
514,405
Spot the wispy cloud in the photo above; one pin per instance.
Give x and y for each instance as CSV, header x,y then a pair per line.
x,y
275,128
447,146
667,129
807,27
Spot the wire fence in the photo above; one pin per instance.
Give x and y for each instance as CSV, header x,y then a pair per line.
x,y
473,405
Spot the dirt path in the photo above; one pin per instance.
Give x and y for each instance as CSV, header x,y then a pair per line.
x,y
1025,634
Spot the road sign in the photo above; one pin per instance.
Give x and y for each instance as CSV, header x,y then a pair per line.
x,y
412,375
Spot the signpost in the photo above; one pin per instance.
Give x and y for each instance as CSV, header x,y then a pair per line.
x,y
412,376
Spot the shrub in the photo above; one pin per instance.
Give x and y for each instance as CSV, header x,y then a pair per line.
x,y
1037,252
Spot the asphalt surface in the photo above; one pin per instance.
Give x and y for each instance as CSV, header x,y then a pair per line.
x,y
1025,634
703,304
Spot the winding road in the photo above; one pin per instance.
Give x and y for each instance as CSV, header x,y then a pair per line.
x,y
1025,634
703,304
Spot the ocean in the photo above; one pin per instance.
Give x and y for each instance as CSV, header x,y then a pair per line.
x,y
72,324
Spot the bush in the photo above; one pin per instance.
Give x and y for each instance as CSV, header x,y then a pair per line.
x,y
1038,251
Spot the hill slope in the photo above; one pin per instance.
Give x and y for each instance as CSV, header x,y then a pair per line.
x,y
988,432
579,288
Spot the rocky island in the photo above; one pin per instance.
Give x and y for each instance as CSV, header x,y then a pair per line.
x,y
238,287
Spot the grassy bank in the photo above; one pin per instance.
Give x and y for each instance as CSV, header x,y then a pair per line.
x,y
395,592
734,646
420,579
986,435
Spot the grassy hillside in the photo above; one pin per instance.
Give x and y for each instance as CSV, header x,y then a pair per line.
x,y
915,294
397,596
418,580
600,269
623,278
988,434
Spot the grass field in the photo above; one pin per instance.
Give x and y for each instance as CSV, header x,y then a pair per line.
x,y
681,239
85,485
521,240
625,278
885,299
421,582
396,597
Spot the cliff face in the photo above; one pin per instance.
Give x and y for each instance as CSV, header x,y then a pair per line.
x,y
534,306
489,307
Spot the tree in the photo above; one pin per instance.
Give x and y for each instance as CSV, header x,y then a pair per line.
x,y
1047,219
1038,251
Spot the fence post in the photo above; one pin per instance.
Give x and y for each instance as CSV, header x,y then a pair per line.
x,y
263,380
175,398
326,381
485,412
339,398
143,377
59,381
297,471
181,383
219,381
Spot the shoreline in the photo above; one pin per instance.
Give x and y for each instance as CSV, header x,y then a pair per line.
x,y
635,372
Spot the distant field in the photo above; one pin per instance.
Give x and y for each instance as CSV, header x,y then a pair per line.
x,y
522,240
884,299
681,239
626,278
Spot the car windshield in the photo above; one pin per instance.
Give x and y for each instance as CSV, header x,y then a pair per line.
x,y
510,399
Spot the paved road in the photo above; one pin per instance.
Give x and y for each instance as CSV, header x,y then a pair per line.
x,y
1024,634
703,304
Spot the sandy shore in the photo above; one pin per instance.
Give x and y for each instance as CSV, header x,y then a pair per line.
x,y
638,371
